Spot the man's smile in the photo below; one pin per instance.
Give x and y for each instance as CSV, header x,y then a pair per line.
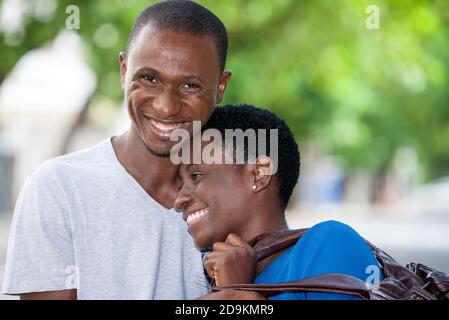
x,y
164,129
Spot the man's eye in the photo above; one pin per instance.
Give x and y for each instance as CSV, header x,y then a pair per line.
x,y
190,86
150,79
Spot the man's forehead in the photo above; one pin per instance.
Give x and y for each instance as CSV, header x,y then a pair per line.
x,y
167,44
172,52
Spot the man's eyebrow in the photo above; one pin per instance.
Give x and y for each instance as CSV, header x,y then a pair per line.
x,y
190,77
146,70
193,78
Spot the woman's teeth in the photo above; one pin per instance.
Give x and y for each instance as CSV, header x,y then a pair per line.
x,y
196,215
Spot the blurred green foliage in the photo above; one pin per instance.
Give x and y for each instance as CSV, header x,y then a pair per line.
x,y
360,94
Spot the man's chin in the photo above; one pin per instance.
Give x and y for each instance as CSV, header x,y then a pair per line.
x,y
158,151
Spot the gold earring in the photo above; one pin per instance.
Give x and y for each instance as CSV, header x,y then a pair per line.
x,y
254,187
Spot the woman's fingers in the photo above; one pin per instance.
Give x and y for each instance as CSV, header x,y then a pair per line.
x,y
235,240
232,261
232,241
222,246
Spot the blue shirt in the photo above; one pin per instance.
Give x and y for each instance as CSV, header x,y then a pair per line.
x,y
328,247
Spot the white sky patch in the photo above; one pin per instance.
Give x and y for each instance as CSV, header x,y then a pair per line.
x,y
52,79
11,16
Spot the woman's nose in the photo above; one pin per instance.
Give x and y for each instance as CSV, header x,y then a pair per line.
x,y
182,200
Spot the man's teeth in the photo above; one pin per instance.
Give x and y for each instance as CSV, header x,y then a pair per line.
x,y
165,127
195,216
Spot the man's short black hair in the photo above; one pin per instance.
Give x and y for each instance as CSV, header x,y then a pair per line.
x,y
184,16
243,116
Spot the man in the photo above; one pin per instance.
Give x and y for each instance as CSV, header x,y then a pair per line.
x,y
99,223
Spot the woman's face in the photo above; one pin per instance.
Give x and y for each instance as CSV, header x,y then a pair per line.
x,y
214,200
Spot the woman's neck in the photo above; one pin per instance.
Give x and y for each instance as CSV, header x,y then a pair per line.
x,y
266,217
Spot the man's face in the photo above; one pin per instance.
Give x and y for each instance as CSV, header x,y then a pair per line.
x,y
170,79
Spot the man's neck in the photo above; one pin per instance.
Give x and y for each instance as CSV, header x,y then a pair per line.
x,y
157,175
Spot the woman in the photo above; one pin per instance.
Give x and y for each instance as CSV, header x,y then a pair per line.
x,y
227,205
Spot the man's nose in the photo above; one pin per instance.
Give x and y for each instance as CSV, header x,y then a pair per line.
x,y
167,104
185,196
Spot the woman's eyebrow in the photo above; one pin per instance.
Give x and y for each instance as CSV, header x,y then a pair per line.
x,y
186,169
192,166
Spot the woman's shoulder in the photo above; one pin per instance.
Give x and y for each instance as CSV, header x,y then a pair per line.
x,y
327,247
331,230
330,237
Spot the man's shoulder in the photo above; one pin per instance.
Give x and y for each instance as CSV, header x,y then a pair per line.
x,y
73,164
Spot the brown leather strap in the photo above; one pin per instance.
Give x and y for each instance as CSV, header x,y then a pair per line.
x,y
335,283
267,244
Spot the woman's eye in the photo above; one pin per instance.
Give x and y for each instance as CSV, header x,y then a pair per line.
x,y
196,176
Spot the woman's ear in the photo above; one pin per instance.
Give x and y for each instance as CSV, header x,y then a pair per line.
x,y
261,171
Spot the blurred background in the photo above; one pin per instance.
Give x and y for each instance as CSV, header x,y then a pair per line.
x,y
364,85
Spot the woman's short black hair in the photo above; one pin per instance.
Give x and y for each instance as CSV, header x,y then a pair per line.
x,y
184,16
244,116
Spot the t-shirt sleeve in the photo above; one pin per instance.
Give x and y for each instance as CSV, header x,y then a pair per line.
x,y
333,247
40,249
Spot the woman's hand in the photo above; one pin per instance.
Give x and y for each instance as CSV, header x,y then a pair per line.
x,y
231,262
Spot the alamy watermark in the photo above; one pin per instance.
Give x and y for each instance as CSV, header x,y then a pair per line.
x,y
372,22
374,274
72,280
72,22
229,149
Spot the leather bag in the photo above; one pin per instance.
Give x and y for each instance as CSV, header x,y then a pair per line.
x,y
415,281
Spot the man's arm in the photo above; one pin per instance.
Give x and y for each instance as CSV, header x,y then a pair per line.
x,y
41,255
51,295
229,294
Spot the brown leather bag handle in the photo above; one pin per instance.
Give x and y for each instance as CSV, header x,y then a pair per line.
x,y
270,243
267,244
333,283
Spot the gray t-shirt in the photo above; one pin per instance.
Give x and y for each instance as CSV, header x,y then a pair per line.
x,y
81,221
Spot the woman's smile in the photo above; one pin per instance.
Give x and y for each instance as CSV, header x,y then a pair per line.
x,y
194,216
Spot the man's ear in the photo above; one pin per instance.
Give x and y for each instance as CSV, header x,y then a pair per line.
x,y
222,84
261,171
122,61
